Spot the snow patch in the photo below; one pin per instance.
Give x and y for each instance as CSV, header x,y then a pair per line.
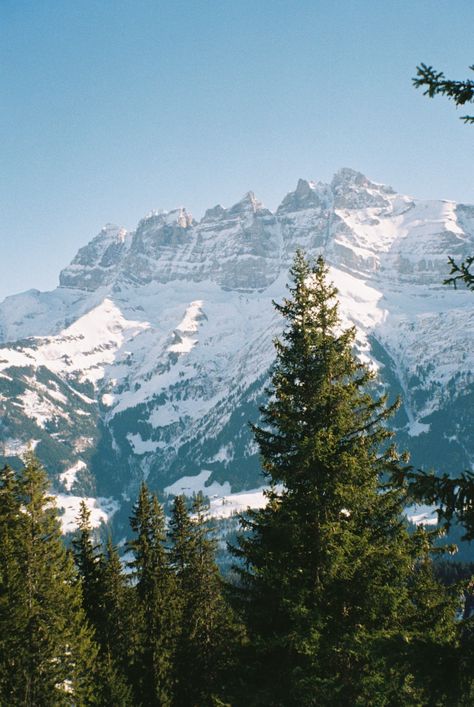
x,y
83,443
422,515
227,506
84,348
141,446
17,448
39,408
225,454
188,485
184,343
68,477
417,428
102,509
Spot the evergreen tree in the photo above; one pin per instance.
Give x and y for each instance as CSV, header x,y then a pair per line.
x,y
430,648
105,605
117,630
181,537
47,647
325,586
208,632
87,557
11,580
156,605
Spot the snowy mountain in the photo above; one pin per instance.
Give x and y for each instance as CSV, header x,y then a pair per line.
x,y
152,354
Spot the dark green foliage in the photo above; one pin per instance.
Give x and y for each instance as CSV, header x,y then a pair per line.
x,y
10,575
88,562
435,83
118,600
461,273
208,632
452,496
47,651
326,589
156,617
110,686
181,538
452,572
104,592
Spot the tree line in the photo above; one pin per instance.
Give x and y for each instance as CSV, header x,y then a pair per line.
x,y
333,599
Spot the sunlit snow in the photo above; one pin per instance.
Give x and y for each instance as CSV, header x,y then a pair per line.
x,y
68,477
179,326
189,485
101,509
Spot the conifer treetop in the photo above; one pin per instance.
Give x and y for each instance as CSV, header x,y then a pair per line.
x,y
320,403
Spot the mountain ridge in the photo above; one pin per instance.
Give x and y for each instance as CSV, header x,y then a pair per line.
x,y
153,353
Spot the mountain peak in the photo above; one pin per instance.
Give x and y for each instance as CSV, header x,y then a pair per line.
x,y
247,203
183,218
307,195
227,246
304,187
174,217
112,232
347,176
214,214
353,189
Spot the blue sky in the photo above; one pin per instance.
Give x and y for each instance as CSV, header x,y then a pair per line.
x,y
110,108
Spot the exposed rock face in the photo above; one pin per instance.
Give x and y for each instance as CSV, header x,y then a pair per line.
x,y
97,263
153,353
360,225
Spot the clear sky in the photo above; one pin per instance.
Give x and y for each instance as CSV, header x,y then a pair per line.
x,y
111,108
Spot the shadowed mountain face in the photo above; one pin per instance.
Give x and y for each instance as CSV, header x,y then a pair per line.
x,y
153,353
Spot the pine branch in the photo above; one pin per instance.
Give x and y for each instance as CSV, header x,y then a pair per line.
x,y
435,83
453,497
461,273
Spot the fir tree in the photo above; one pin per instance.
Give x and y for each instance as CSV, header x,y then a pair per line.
x,y
208,632
156,606
106,607
11,579
87,557
117,631
181,537
328,564
47,647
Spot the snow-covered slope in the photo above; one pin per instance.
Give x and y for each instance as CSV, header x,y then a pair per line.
x,y
153,353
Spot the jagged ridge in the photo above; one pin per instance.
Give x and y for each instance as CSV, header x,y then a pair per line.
x,y
153,353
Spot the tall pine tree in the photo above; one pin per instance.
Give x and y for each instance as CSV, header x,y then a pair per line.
x,y
103,592
117,633
157,616
11,578
326,569
47,649
88,558
208,631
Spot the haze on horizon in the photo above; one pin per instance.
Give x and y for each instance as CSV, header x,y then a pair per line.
x,y
113,109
